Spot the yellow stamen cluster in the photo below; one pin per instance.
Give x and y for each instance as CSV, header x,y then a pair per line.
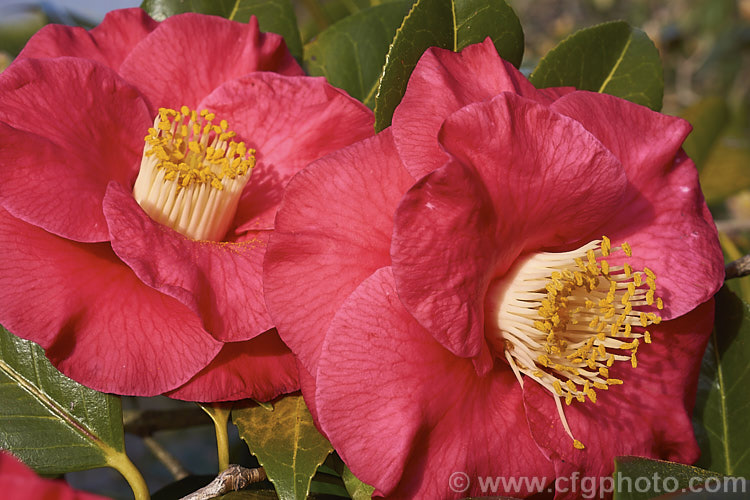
x,y
192,149
565,318
192,172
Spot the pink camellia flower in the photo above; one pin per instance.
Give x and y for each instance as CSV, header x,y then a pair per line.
x,y
507,283
19,482
137,264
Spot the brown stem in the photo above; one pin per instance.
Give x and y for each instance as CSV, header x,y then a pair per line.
x,y
738,268
234,478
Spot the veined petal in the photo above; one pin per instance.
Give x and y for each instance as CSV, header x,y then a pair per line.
x,y
261,368
443,82
220,282
108,43
60,146
440,417
332,231
98,323
444,253
172,70
290,122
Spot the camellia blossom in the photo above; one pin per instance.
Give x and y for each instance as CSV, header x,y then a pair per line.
x,y
137,263
508,282
19,482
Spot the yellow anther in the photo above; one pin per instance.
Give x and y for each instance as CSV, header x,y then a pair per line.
x,y
591,257
600,386
557,387
647,337
606,246
633,361
605,267
568,399
592,395
644,319
610,360
185,110
614,381
604,372
571,386
659,303
628,329
637,279
577,444
626,248
628,269
649,273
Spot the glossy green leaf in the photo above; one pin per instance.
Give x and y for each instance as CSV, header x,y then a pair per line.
x,y
285,442
613,58
449,24
709,118
356,488
52,423
351,53
276,16
637,478
721,407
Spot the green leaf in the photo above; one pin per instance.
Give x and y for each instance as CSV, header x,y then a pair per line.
x,y
639,478
52,423
451,24
285,442
709,118
351,53
276,16
613,58
356,488
721,407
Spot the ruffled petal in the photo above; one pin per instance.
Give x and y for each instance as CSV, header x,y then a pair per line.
x,y
18,481
99,324
444,252
220,282
290,122
109,43
648,415
261,368
551,181
663,215
441,83
405,414
530,179
172,70
59,146
332,231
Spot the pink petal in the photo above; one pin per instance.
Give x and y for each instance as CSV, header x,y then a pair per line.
x,y
663,215
261,368
99,324
290,121
444,253
187,56
17,481
405,414
332,231
109,43
61,146
531,179
219,282
648,415
443,82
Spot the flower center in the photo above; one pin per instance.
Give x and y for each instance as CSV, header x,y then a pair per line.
x,y
192,174
563,319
